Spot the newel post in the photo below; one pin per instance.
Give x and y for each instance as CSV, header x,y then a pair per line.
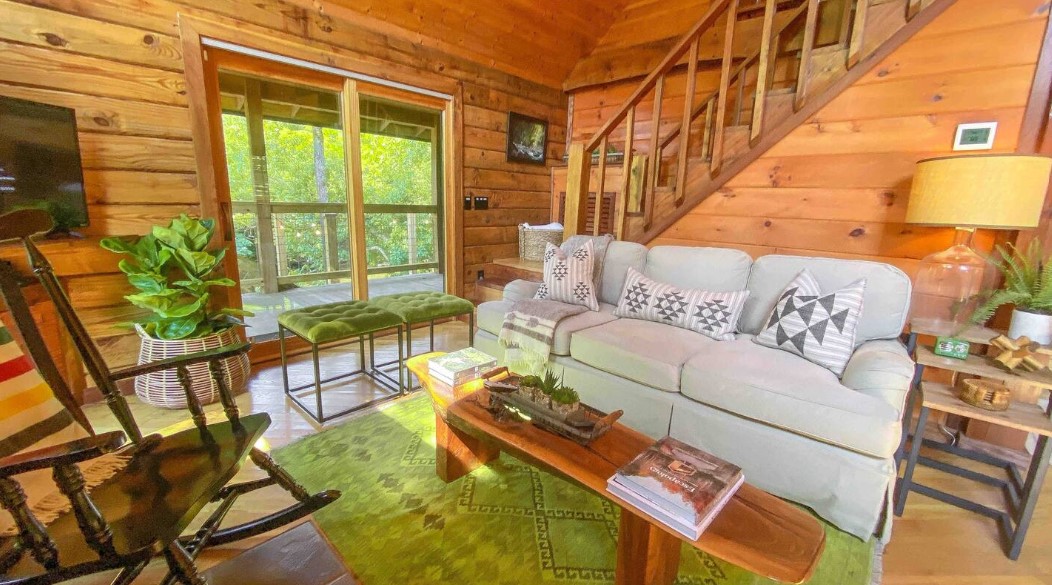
x,y
579,169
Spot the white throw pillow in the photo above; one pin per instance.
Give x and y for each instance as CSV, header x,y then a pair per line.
x,y
714,314
568,277
818,327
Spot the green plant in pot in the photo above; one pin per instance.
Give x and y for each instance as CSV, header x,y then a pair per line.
x,y
172,271
565,400
1027,286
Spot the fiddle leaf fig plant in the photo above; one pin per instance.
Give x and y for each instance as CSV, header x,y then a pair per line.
x,y
172,272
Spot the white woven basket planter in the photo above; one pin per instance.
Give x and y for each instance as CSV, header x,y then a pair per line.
x,y
163,389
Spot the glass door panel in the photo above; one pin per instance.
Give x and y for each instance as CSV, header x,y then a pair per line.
x,y
402,195
288,188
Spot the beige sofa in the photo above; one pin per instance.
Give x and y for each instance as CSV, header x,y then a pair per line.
x,y
795,428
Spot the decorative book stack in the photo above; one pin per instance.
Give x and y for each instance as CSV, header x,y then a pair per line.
x,y
460,367
680,486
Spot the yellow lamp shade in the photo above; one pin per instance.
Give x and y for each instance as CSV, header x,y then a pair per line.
x,y
985,191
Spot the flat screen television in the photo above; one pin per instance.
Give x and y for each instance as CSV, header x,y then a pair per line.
x,y
40,161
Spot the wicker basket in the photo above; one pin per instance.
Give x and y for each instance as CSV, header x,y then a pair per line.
x,y
985,394
163,389
532,241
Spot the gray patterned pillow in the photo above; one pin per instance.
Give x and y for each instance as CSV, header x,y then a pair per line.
x,y
714,314
568,276
818,327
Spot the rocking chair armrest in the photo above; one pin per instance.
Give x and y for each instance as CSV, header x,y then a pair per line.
x,y
207,355
63,454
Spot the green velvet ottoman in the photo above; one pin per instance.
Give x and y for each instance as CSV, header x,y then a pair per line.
x,y
331,324
426,307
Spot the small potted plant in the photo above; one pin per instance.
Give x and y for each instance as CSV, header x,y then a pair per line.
x,y
549,384
530,387
172,272
1027,286
565,401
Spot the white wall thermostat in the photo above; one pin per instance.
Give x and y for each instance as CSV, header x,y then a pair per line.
x,y
978,136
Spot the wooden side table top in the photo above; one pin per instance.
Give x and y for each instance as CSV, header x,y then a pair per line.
x,y
755,531
984,366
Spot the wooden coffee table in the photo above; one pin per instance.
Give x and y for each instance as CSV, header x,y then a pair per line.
x,y
756,531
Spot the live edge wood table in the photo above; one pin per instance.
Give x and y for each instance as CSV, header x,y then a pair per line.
x,y
755,531
1020,494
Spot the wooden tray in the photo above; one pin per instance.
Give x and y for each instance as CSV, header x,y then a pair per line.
x,y
585,425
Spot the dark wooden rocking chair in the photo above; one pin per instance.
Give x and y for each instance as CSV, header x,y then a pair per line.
x,y
180,551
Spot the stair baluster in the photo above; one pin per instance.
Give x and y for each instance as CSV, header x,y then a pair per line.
x,y
858,31
810,27
766,68
598,209
721,99
626,175
688,116
650,185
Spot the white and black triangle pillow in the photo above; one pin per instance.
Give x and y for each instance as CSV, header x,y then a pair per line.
x,y
818,326
714,314
568,277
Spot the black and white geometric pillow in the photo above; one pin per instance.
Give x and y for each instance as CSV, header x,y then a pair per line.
x,y
714,314
568,277
819,327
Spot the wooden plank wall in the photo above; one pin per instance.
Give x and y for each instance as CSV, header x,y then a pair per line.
x,y
119,64
838,185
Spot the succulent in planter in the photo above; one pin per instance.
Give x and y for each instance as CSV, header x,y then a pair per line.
x,y
530,386
172,271
549,384
565,400
1027,286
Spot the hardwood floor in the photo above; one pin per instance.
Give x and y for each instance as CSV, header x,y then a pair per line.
x,y
932,543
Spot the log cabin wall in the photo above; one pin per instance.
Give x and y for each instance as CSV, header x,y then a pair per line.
x,y
119,64
838,185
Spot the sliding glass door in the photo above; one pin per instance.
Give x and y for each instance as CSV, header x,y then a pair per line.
x,y
336,188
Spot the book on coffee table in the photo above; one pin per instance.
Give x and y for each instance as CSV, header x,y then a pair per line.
x,y
679,485
460,366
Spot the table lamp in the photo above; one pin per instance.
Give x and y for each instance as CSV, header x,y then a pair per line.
x,y
997,191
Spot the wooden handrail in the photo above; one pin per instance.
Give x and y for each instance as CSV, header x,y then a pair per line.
x,y
670,61
795,14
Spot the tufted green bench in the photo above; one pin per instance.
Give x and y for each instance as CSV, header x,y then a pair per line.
x,y
333,323
426,307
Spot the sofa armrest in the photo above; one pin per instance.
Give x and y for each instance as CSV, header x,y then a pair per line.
x,y
881,368
520,290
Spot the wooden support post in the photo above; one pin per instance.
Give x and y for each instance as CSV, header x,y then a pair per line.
x,y
356,192
626,174
579,166
650,185
725,81
810,28
768,51
684,127
268,241
858,33
598,209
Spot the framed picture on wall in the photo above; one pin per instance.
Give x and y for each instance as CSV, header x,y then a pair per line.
x,y
527,139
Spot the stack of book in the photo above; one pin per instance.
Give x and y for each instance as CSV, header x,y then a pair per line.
x,y
460,367
678,485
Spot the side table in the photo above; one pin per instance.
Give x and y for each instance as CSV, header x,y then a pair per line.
x,y
1020,493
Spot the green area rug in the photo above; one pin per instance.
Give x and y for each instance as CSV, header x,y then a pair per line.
x,y
505,524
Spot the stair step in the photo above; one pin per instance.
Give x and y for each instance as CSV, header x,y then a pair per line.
x,y
825,68
778,107
490,289
883,19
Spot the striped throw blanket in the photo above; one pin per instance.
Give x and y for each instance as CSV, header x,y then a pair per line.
x,y
32,418
528,332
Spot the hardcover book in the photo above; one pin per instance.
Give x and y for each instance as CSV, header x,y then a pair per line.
x,y
461,366
679,480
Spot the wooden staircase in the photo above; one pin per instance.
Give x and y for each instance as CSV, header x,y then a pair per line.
x,y
809,51
497,274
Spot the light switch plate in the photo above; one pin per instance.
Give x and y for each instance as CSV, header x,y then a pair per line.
x,y
977,136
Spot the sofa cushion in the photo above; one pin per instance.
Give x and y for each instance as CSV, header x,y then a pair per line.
x,y
649,353
620,256
568,276
818,326
713,314
887,298
715,269
780,389
491,317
